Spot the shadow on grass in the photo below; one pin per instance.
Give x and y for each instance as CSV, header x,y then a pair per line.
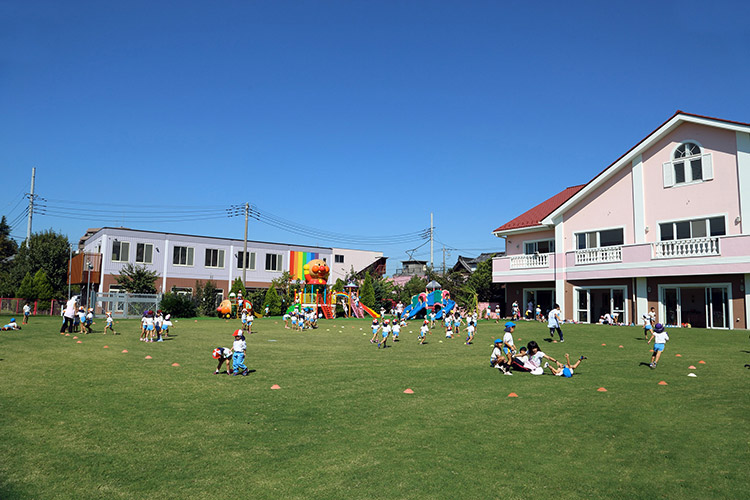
x,y
642,363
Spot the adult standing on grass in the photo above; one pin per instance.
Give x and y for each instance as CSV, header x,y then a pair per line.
x,y
69,314
554,321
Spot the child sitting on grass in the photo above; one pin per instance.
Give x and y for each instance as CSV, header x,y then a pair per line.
x,y
498,359
565,370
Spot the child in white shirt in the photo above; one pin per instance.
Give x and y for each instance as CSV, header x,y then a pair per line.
x,y
375,328
110,324
423,332
224,355
396,329
386,330
660,338
238,357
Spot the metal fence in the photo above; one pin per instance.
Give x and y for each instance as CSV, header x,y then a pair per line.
x,y
38,307
126,305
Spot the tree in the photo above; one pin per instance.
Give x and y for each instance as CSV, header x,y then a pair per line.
x,y
8,246
367,292
238,286
48,251
273,302
42,286
26,288
205,297
414,286
137,279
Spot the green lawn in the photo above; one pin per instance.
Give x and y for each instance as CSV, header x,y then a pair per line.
x,y
81,421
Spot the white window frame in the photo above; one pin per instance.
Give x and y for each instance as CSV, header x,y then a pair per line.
x,y
706,218
220,256
535,243
144,251
623,314
189,256
182,290
668,168
252,261
279,264
127,254
598,237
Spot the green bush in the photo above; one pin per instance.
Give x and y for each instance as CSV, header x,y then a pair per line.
x,y
273,302
179,306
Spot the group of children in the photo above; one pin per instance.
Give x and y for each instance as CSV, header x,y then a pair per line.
x,y
387,329
154,326
527,358
301,320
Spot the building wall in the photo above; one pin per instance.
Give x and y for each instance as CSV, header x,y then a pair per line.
x,y
514,245
610,206
714,197
359,259
170,273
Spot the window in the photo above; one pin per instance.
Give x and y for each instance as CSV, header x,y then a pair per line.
x,y
338,259
249,260
144,253
117,289
688,165
696,228
604,238
273,262
182,290
542,246
214,257
183,256
120,251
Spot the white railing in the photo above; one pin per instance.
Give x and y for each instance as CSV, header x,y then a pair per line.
x,y
695,247
529,261
599,255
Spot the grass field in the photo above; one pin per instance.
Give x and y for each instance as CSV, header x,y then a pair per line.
x,y
81,421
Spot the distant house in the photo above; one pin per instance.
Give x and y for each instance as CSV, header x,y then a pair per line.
x,y
409,269
469,264
667,225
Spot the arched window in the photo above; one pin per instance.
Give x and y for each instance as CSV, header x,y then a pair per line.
x,y
689,165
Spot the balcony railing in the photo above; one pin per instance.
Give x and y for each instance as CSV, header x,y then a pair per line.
x,y
695,247
599,255
529,261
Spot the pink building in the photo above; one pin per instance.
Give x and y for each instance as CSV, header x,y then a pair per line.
x,y
667,226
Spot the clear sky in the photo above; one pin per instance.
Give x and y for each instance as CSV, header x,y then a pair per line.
x,y
349,117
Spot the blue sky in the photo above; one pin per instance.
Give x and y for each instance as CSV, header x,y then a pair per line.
x,y
357,118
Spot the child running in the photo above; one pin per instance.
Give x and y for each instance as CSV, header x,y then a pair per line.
x,y
423,332
396,329
457,322
110,324
386,330
660,338
553,323
166,325
375,329
470,332
565,370
448,326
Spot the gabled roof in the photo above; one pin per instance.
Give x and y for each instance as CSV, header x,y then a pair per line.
x,y
665,128
534,216
470,263
542,214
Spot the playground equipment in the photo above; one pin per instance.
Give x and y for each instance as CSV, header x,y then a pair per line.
x,y
229,308
426,302
315,294
353,307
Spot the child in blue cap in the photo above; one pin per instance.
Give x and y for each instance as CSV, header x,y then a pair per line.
x,y
565,370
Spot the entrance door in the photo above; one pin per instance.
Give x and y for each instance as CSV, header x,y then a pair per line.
x,y
600,303
717,307
693,307
672,306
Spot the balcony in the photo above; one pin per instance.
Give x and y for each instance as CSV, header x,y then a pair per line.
x,y
598,255
539,260
694,247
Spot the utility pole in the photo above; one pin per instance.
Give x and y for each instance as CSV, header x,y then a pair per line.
x,y
432,242
31,207
244,254
443,260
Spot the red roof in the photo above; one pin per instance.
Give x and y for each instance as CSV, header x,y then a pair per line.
x,y
535,216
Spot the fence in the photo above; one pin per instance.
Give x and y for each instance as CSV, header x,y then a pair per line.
x,y
38,307
126,305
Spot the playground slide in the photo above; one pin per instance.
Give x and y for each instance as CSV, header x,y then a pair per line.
x,y
411,311
370,311
449,305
